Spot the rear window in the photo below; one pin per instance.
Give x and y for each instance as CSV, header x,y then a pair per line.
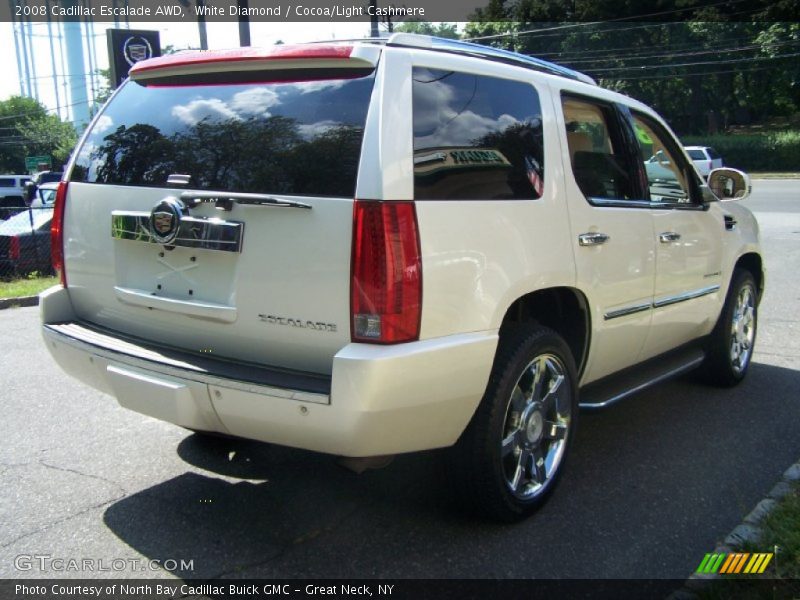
x,y
697,155
7,182
713,153
475,137
301,138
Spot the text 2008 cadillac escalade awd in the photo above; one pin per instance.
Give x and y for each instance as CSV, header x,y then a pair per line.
x,y
370,248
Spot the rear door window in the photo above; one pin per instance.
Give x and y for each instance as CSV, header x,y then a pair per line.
x,y
475,137
300,138
597,151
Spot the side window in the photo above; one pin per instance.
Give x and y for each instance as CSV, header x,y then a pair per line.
x,y
595,149
475,137
667,171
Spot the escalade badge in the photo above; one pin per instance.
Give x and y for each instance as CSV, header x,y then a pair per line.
x,y
165,220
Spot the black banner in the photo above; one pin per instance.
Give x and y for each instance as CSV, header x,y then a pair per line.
x,y
186,11
396,589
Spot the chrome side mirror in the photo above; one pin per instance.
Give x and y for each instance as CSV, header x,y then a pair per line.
x,y
729,184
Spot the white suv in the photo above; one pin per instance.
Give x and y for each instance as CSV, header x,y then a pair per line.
x,y
371,248
705,158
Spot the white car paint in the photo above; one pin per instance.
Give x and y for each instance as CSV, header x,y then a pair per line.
x,y
478,258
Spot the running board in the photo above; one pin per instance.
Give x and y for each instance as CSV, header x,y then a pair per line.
x,y
612,389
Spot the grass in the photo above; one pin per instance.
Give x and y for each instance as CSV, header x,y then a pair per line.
x,y
757,175
782,529
780,534
28,286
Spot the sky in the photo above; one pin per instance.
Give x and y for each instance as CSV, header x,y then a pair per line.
x,y
179,35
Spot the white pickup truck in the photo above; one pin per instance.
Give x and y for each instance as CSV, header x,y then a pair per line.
x,y
378,247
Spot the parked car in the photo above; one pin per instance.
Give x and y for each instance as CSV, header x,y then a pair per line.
x,y
12,191
13,185
38,179
705,158
379,247
25,243
45,195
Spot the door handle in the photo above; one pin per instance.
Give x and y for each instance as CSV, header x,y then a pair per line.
x,y
669,236
593,239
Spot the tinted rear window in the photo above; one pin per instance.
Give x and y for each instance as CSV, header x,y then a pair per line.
x,y
713,153
475,137
697,155
6,182
282,138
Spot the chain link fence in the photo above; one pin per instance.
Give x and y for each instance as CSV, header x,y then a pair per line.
x,y
24,238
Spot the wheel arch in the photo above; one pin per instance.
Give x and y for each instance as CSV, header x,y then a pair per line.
x,y
752,262
563,309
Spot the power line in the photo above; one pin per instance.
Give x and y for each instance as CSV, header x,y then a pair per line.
x,y
36,112
616,30
679,55
682,75
694,64
575,25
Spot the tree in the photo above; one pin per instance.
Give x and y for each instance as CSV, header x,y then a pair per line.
x,y
443,30
26,129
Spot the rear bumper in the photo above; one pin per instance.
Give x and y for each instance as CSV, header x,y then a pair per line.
x,y
379,400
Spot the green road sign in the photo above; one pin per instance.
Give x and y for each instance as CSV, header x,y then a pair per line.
x,y
34,163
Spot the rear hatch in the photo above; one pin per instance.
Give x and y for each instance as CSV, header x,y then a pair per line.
x,y
210,205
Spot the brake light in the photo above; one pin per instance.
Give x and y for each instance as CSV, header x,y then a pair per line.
x,y
386,273
13,249
57,233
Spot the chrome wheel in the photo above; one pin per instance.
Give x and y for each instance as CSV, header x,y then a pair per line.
x,y
536,426
743,329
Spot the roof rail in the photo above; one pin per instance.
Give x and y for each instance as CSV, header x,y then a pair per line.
x,y
413,40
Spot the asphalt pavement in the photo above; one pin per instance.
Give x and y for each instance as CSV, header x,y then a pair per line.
x,y
652,485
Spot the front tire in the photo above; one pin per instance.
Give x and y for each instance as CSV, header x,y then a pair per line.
x,y
730,345
509,459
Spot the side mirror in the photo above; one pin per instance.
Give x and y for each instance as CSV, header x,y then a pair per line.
x,y
729,184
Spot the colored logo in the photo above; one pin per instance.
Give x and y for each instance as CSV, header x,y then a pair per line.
x,y
165,220
735,563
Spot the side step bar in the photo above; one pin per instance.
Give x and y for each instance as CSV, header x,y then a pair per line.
x,y
612,389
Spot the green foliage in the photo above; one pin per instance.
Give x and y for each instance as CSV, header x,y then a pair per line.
x,y
712,62
778,151
443,30
26,129
27,285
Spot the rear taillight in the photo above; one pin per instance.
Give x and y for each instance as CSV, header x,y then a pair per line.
x,y
57,233
13,249
386,275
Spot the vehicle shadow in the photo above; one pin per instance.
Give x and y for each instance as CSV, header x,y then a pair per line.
x,y
248,502
673,468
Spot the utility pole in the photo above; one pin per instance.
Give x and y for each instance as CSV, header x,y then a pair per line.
x,y
244,23
201,24
373,25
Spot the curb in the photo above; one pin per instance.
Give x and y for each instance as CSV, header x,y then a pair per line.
x,y
749,530
19,301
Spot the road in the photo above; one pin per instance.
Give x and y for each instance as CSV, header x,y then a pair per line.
x,y
653,483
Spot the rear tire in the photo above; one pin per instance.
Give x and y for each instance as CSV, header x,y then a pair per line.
x,y
730,345
511,455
